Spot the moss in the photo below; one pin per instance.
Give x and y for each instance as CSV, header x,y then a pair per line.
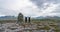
x,y
57,29
44,28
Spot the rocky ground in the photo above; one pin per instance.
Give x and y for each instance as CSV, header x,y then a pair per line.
x,y
29,27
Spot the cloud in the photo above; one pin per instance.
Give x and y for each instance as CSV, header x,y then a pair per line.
x,y
13,7
40,3
47,6
57,10
29,7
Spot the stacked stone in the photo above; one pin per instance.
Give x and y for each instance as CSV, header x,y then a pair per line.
x,y
20,18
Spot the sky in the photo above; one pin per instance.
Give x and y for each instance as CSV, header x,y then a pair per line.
x,y
30,7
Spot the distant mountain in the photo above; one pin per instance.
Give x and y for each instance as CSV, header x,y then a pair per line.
x,y
40,17
48,17
54,17
8,18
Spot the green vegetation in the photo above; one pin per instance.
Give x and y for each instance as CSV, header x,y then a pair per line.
x,y
50,22
8,21
44,28
57,29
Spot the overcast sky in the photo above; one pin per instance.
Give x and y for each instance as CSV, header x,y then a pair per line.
x,y
30,7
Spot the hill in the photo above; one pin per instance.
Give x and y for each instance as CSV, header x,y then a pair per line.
x,y
8,18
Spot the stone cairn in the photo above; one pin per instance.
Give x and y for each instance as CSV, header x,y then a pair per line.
x,y
21,19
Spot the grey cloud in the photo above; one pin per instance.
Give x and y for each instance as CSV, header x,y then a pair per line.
x,y
57,10
7,5
40,3
54,1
